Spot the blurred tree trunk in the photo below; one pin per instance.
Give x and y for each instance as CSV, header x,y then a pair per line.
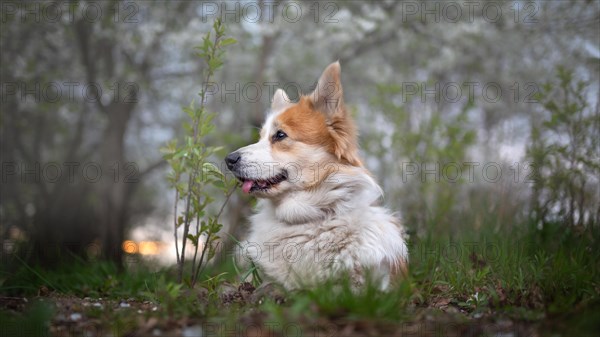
x,y
113,190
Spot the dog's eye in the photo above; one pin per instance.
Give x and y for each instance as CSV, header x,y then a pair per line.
x,y
279,135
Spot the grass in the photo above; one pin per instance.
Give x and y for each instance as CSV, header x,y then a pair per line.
x,y
80,278
548,278
530,274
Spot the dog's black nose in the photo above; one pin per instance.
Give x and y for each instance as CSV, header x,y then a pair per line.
x,y
232,159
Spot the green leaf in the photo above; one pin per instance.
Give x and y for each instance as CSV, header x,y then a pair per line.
x,y
218,184
209,168
193,238
228,41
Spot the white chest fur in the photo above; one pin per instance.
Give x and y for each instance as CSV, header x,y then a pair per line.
x,y
336,229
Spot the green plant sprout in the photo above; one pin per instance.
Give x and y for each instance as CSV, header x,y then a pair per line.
x,y
192,176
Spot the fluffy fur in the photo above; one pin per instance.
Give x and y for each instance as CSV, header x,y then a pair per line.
x,y
318,215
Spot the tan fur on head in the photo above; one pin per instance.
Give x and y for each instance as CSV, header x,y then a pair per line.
x,y
328,98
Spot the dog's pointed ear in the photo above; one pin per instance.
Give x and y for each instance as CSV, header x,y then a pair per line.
x,y
328,96
280,100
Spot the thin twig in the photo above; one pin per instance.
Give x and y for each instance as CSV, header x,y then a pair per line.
x,y
227,196
206,244
175,222
200,266
196,248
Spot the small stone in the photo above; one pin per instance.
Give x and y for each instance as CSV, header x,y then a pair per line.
x,y
75,316
192,331
452,310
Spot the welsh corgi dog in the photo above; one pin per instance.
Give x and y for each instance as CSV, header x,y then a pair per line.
x,y
318,215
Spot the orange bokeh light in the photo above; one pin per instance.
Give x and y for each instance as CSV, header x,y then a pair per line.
x,y
130,247
142,247
148,248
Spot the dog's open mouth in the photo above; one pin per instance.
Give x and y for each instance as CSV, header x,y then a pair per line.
x,y
249,185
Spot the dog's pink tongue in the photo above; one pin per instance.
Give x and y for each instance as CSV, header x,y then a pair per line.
x,y
247,185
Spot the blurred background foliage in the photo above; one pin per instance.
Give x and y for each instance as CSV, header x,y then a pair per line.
x,y
400,72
